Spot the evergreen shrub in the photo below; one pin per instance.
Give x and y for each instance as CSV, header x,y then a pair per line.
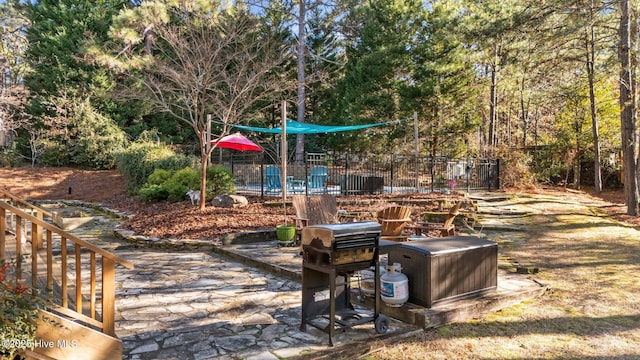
x,y
220,180
169,185
9,158
54,154
142,157
152,192
158,177
180,182
98,139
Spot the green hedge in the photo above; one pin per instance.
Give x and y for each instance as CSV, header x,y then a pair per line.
x,y
141,158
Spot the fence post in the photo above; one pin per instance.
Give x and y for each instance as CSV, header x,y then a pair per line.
x,y
346,174
468,172
417,167
306,173
489,174
392,170
262,179
433,169
497,174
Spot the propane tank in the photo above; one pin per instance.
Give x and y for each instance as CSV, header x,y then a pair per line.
x,y
368,285
394,286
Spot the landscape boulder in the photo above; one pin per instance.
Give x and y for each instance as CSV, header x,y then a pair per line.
x,y
229,201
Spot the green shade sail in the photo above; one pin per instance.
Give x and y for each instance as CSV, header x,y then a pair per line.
x,y
294,127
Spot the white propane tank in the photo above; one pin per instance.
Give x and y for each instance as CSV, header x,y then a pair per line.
x,y
368,285
394,286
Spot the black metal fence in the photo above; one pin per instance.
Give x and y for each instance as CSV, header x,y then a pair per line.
x,y
353,174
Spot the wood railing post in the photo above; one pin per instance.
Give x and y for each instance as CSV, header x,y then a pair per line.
x,y
63,270
36,236
92,286
18,248
108,296
50,262
11,221
34,260
78,254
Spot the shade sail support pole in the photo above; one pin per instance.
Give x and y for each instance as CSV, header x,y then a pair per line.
x,y
283,155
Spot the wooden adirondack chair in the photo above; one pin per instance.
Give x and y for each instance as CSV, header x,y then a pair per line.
x,y
314,210
447,228
393,220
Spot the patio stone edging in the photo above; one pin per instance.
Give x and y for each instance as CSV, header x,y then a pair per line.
x,y
101,208
193,244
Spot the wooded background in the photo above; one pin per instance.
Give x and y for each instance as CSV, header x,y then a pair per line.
x,y
549,85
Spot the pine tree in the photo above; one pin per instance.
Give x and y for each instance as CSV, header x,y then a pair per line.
x,y
61,79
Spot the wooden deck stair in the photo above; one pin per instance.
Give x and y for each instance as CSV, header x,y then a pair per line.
x,y
80,281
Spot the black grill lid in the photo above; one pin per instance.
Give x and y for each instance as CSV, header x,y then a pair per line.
x,y
330,232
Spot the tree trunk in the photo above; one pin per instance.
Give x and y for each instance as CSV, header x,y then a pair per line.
x,y
524,111
578,155
591,57
493,108
301,80
204,161
627,109
434,132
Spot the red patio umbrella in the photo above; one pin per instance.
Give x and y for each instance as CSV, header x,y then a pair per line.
x,y
238,142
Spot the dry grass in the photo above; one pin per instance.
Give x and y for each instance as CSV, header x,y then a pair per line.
x,y
591,263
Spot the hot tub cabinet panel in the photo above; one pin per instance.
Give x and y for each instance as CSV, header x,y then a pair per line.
x,y
448,268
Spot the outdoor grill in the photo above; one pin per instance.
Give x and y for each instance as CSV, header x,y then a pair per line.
x,y
331,253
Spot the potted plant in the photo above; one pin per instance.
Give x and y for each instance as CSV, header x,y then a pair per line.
x,y
18,315
285,232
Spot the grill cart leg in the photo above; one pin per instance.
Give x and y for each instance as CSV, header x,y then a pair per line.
x,y
381,322
332,306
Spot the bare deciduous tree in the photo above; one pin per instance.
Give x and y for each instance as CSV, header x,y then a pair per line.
x,y
222,64
11,117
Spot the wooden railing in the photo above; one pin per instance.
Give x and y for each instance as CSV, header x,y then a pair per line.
x,y
26,222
